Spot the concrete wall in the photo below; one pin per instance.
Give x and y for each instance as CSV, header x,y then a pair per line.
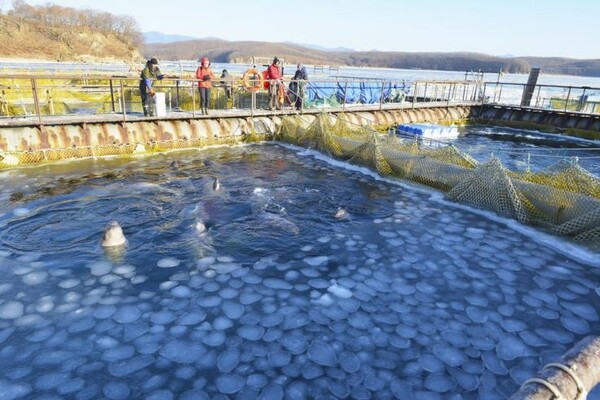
x,y
33,143
580,124
77,135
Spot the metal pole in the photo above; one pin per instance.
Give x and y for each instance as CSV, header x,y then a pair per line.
x,y
36,100
112,95
345,91
500,94
177,94
572,377
381,97
49,102
582,100
537,98
414,95
483,95
193,100
568,97
123,100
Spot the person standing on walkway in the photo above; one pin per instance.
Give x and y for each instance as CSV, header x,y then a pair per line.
x,y
149,73
274,78
227,85
205,75
300,78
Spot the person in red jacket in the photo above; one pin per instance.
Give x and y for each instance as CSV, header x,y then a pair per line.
x,y
205,75
274,77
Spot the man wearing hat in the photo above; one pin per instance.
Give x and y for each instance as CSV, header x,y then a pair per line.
x,y
149,73
274,78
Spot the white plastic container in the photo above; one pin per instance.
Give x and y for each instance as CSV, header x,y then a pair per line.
x,y
160,104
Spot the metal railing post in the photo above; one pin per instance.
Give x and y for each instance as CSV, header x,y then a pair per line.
x,y
500,94
36,100
381,97
568,97
112,95
414,95
177,94
537,98
193,100
123,105
345,91
49,102
483,94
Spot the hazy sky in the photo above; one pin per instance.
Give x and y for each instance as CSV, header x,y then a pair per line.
x,y
563,28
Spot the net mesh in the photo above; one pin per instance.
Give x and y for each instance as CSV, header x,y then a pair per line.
x,y
564,198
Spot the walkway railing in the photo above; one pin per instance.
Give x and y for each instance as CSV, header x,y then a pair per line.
x,y
584,99
39,98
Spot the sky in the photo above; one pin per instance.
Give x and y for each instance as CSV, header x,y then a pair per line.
x,y
561,28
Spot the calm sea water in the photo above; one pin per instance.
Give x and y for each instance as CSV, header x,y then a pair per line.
x,y
407,297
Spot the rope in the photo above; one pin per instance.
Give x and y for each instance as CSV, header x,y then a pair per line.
x,y
547,385
581,390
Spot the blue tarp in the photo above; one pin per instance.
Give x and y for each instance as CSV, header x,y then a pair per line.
x,y
363,92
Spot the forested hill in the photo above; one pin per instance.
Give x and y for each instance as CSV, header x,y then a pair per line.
x,y
225,51
65,34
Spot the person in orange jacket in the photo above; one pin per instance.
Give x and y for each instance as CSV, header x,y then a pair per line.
x,y
205,75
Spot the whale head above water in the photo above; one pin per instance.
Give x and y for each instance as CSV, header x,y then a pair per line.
x,y
113,235
216,185
200,227
341,213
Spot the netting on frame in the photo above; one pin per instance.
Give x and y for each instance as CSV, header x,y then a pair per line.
x,y
564,198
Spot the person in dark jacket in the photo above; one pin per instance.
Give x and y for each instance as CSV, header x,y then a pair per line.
x,y
300,78
149,73
274,78
226,82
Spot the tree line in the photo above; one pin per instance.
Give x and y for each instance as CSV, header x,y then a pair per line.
x,y
123,27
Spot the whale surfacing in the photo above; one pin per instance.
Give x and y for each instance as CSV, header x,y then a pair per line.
x,y
341,213
113,235
216,185
200,227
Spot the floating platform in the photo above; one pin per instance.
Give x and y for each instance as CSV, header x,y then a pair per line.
x,y
430,131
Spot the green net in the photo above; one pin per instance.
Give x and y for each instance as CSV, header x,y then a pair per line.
x,y
564,198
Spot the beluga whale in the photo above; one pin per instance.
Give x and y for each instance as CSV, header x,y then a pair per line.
x,y
341,213
113,235
216,185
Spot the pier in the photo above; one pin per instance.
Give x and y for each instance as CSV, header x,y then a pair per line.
x,y
72,116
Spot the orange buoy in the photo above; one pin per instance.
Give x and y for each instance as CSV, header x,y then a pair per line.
x,y
253,80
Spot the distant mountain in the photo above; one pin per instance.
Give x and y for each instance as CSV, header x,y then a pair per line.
x,y
159,37
243,52
322,48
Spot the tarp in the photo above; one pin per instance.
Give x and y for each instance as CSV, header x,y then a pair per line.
x,y
357,92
